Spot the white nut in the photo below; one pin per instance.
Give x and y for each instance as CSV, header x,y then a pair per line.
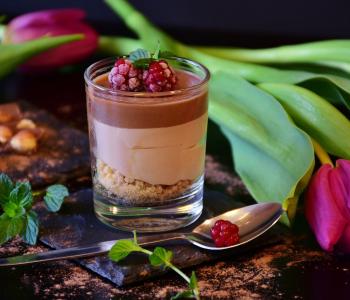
x,y
5,134
26,124
24,141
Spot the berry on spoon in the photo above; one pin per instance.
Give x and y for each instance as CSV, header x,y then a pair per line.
x,y
224,233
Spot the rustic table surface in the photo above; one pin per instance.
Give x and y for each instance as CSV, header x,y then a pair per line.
x,y
294,268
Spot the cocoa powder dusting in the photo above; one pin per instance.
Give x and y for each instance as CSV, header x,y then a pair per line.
x,y
252,275
221,177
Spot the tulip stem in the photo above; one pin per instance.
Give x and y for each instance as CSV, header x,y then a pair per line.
x,y
321,154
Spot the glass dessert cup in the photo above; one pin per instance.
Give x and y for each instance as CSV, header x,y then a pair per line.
x,y
148,149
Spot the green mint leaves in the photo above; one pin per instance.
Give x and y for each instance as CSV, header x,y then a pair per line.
x,y
16,201
123,248
141,58
54,197
160,257
139,54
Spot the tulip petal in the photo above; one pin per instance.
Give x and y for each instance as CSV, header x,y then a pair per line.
x,y
54,23
343,170
44,17
322,211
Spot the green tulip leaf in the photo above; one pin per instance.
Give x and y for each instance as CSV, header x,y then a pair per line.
x,y
329,50
270,153
12,55
322,121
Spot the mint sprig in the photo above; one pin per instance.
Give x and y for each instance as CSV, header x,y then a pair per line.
x,y
141,58
159,257
16,201
54,197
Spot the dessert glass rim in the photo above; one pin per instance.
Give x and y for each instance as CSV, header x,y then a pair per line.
x,y
89,72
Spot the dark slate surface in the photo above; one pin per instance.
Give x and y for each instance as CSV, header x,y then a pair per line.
x,y
76,225
63,152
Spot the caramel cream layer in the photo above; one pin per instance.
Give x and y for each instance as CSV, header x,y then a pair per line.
x,y
148,111
163,155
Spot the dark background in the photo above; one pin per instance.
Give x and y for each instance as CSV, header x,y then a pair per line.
x,y
264,21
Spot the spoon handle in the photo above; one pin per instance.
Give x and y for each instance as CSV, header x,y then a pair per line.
x,y
84,251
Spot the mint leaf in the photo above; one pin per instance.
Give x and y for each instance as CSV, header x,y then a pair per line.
x,y
142,63
10,227
123,248
21,194
156,53
10,209
185,294
160,257
166,54
6,186
194,285
193,281
54,197
139,54
31,231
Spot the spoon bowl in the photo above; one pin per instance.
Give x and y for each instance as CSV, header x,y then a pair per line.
x,y
252,221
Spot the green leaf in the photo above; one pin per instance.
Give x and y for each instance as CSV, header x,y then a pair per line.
x,y
270,153
139,54
160,257
31,231
326,90
317,117
192,293
10,209
10,227
6,186
22,194
148,33
123,248
142,63
188,294
12,55
54,197
166,54
329,50
156,52
193,281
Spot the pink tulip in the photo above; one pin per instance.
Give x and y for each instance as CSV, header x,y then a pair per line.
x,y
328,206
54,23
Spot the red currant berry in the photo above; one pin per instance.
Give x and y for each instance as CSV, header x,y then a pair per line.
x,y
224,233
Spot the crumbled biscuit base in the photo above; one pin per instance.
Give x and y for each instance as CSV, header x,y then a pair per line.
x,y
133,192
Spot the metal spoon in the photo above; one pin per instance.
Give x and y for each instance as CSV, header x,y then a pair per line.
x,y
252,220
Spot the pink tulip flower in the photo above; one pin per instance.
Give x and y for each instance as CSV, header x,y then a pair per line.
x,y
328,206
53,23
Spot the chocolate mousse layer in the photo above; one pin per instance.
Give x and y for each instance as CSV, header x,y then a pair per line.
x,y
145,110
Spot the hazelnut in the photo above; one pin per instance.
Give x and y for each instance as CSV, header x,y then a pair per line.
x,y
26,124
5,134
24,141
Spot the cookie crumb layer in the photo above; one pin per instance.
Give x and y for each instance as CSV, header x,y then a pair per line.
x,y
133,192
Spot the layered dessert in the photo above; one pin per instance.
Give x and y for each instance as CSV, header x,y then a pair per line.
x,y
147,132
